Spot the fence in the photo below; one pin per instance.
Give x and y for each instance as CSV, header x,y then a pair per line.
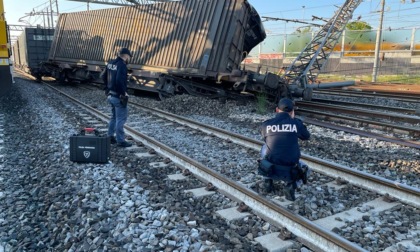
x,y
353,54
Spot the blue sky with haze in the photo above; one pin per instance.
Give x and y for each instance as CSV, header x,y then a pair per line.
x,y
398,14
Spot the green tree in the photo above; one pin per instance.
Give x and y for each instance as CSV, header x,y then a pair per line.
x,y
303,30
358,26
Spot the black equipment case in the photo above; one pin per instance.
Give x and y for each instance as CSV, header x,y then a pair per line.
x,y
91,148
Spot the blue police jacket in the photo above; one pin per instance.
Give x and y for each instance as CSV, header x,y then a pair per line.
x,y
115,76
281,136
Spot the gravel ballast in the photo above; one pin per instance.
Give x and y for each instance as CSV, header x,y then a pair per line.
x,y
321,201
389,160
48,202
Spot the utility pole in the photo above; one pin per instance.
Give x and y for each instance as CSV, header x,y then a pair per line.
x,y
56,6
87,5
52,18
378,43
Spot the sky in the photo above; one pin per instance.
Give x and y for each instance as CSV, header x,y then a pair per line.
x,y
399,14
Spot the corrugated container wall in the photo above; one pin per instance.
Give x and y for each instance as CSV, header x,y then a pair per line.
x,y
32,47
202,37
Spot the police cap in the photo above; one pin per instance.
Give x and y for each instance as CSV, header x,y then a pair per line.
x,y
286,105
125,51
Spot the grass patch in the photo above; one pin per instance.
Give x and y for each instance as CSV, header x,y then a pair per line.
x,y
397,79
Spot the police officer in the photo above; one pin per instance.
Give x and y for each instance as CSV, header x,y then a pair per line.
x,y
115,79
281,147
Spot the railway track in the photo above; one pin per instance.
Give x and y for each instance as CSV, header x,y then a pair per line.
x,y
365,105
308,232
347,93
372,114
366,117
381,137
394,91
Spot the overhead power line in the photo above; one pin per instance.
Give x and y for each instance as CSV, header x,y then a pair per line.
x,y
290,20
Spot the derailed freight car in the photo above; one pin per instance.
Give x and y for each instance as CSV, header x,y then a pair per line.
x,y
31,49
192,46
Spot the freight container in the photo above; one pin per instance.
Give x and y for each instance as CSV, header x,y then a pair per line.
x,y
170,42
32,48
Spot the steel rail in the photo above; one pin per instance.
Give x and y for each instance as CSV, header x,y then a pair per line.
x,y
414,130
403,142
359,94
395,109
405,193
310,234
390,93
210,129
355,111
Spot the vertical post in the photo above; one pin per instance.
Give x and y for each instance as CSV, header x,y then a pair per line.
x,y
48,17
5,73
284,45
413,39
56,6
378,43
52,16
343,43
284,41
87,3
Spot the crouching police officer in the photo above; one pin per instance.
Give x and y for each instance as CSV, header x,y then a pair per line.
x,y
115,79
281,151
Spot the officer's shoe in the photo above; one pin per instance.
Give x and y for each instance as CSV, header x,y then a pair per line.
x,y
124,144
289,192
113,140
268,186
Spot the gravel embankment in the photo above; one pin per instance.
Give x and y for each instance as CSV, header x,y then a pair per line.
x,y
239,164
381,158
127,176
50,203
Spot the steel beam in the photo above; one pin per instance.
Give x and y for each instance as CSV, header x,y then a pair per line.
x,y
305,68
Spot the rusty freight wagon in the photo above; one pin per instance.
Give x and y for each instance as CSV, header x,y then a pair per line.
x,y
190,46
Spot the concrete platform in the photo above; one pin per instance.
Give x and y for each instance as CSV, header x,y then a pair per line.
x,y
144,155
158,164
232,214
353,214
273,243
200,192
177,177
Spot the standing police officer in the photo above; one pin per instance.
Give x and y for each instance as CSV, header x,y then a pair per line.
x,y
115,79
281,147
